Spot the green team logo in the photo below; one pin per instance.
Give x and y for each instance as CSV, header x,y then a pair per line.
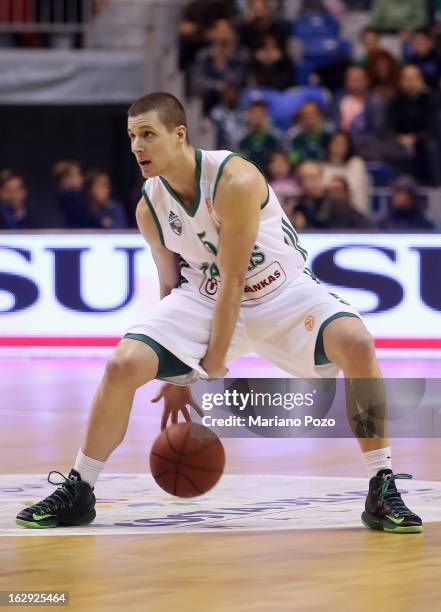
x,y
175,223
257,257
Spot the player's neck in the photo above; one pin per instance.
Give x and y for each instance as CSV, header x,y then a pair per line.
x,y
181,175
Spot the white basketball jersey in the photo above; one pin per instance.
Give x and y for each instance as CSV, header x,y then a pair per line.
x,y
193,233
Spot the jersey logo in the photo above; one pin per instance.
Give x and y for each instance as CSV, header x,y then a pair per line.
x,y
175,223
211,286
264,282
309,323
257,286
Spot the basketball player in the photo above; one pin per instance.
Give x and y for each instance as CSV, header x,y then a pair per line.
x,y
232,280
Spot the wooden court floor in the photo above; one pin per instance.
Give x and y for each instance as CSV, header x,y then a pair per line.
x,y
43,408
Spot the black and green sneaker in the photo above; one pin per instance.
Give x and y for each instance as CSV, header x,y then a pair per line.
x,y
384,508
72,504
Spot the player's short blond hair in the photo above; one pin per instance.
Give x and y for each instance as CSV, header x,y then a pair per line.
x,y
170,111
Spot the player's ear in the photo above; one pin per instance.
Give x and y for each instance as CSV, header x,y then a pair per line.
x,y
181,132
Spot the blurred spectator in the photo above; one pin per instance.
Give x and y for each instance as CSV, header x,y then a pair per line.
x,y
312,134
426,56
412,117
70,196
261,139
280,177
370,42
260,21
399,15
105,212
270,66
198,17
356,109
339,190
384,74
14,211
341,161
406,211
229,119
68,174
221,63
316,209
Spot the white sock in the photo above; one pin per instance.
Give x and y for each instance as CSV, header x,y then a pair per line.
x,y
89,469
376,460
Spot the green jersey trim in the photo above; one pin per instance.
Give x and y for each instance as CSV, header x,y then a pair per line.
x,y
221,169
291,233
192,211
154,215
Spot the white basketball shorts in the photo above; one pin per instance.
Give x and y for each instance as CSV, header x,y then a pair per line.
x,y
286,329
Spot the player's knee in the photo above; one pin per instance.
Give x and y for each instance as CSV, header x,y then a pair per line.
x,y
360,348
121,370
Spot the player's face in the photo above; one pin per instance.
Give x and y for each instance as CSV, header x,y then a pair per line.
x,y
154,147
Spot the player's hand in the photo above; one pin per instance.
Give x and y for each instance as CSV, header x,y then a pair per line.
x,y
176,399
213,368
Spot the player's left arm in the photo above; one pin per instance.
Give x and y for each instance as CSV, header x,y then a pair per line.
x,y
240,194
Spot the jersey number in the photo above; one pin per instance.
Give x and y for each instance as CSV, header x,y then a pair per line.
x,y
256,259
208,245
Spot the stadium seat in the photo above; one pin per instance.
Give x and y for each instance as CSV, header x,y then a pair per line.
x,y
315,24
282,106
407,50
302,73
320,51
382,174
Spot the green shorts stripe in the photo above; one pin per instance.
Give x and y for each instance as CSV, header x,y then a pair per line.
x,y
320,357
169,364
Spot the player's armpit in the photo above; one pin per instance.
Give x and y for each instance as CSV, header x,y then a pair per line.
x,y
167,262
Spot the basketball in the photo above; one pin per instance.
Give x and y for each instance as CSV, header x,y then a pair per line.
x,y
187,459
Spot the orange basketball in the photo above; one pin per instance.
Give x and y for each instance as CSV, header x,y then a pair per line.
x,y
187,459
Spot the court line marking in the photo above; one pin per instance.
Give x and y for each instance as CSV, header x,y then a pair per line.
x,y
130,504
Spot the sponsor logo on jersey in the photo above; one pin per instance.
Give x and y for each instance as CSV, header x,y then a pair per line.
x,y
257,286
211,286
264,282
309,323
209,203
175,223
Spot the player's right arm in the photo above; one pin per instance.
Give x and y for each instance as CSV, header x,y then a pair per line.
x,y
166,261
176,398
